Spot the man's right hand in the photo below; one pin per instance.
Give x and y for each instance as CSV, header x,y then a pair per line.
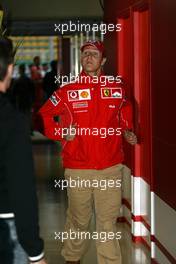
x,y
42,261
130,137
70,133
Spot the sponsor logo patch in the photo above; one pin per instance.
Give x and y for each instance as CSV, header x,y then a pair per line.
x,y
73,95
54,99
112,106
84,94
80,104
107,93
78,95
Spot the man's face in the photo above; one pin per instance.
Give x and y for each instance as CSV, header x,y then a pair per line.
x,y
91,59
37,61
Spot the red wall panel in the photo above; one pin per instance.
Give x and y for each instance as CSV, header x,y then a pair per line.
x,y
164,94
125,69
111,51
163,57
114,7
133,65
142,93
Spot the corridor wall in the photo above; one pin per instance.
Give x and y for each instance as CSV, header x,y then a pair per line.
x,y
143,53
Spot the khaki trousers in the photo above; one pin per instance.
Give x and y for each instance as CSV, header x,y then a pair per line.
x,y
107,203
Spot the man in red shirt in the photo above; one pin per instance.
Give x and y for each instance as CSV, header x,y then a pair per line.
x,y
93,117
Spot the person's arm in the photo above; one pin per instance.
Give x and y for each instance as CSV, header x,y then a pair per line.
x,y
126,122
21,187
48,121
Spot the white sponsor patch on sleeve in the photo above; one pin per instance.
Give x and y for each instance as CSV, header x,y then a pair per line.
x,y
55,99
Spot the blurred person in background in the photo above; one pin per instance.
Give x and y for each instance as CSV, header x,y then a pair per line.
x,y
36,76
49,84
23,93
20,242
45,69
36,69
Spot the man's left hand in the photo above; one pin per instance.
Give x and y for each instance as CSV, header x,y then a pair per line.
x,y
130,137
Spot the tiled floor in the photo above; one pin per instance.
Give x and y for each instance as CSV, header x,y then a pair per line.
x,y
53,203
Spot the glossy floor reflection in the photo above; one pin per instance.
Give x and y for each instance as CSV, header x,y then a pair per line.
x,y
53,204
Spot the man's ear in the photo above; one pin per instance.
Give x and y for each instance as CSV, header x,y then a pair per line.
x,y
103,61
10,70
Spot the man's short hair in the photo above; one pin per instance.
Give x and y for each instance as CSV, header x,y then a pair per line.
x,y
6,56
